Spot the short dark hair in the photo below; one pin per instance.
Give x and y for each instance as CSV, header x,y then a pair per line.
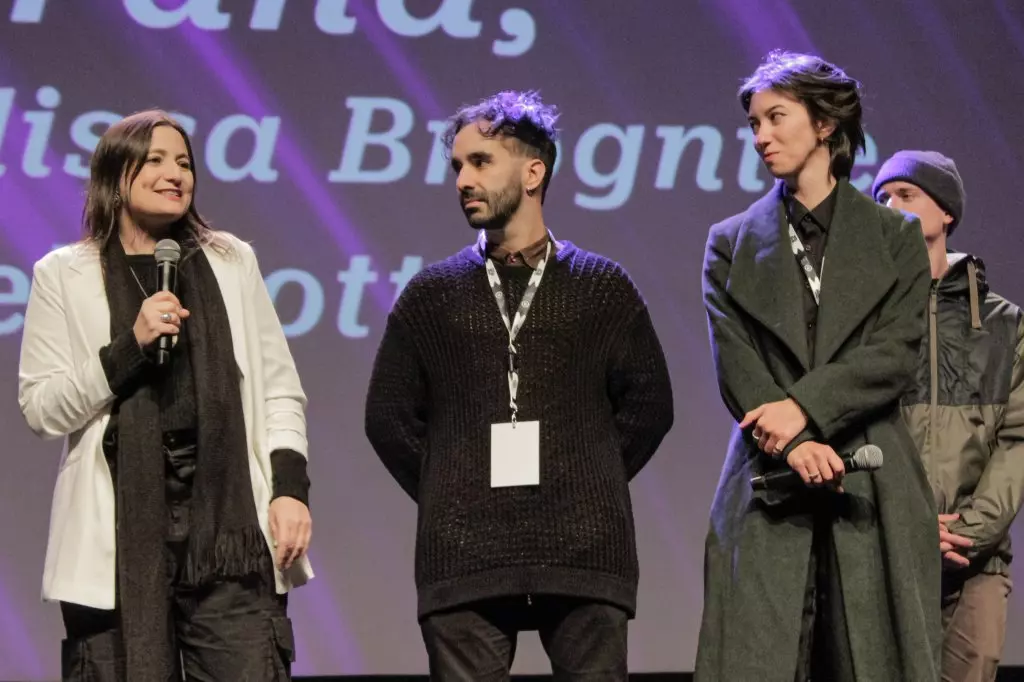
x,y
831,97
517,115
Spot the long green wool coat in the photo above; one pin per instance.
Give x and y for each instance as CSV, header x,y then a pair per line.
x,y
871,321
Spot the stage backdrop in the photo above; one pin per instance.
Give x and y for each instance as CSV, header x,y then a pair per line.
x,y
316,133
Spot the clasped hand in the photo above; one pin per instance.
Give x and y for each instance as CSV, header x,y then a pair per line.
x,y
775,425
951,545
160,315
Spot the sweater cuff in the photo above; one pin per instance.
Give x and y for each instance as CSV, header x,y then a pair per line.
x,y
801,438
123,361
289,472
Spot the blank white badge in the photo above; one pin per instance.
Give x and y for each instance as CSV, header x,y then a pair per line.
x,y
515,454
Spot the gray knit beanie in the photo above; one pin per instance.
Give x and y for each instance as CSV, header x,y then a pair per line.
x,y
932,172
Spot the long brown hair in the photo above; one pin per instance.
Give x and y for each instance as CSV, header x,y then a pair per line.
x,y
117,161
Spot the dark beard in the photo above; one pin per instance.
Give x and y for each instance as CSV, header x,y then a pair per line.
x,y
502,205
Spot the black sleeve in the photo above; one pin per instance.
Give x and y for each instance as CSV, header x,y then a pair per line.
x,y
290,477
396,407
641,393
123,362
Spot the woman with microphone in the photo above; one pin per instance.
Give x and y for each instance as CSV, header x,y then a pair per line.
x,y
180,514
815,299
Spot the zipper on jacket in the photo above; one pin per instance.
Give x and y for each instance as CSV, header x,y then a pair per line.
x,y
933,348
972,283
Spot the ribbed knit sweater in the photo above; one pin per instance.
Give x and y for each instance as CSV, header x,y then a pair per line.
x,y
591,370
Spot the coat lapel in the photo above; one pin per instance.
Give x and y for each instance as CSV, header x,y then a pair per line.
x,y
764,278
858,271
88,310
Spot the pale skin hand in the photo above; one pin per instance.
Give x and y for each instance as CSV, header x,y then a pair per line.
x,y
291,527
775,424
818,465
949,543
149,326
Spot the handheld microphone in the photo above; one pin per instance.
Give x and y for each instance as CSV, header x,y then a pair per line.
x,y
167,253
866,458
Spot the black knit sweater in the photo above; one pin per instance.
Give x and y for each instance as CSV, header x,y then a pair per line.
x,y
591,370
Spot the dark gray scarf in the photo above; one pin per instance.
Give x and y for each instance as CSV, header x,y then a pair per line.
x,y
225,540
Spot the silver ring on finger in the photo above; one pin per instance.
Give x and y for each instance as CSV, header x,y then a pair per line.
x,y
815,476
166,317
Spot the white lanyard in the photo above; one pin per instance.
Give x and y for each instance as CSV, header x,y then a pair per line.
x,y
513,326
805,264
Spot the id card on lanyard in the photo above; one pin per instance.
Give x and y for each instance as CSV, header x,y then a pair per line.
x,y
515,445
813,279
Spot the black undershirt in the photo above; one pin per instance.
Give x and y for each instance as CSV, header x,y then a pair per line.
x,y
812,227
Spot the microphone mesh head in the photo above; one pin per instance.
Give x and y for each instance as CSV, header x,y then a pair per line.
x,y
167,250
868,457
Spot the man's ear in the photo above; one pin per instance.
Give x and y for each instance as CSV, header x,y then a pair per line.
x,y
534,172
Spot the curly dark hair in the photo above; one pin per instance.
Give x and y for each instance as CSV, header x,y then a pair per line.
x,y
831,97
519,116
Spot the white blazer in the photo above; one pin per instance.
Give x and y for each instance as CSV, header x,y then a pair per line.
x,y
63,392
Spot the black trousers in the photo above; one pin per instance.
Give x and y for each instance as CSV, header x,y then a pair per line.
x,y
824,640
584,640
230,630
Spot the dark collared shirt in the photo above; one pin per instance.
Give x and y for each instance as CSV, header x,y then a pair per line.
x,y
531,256
518,266
812,227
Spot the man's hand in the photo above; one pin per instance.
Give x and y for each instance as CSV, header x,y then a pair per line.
x,y
292,528
817,464
775,424
949,543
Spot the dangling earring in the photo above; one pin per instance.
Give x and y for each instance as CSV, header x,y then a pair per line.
x,y
117,198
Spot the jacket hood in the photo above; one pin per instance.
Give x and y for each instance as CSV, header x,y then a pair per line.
x,y
965,278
